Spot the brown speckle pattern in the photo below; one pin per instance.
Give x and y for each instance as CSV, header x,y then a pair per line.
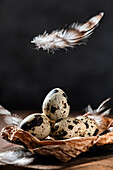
x,y
55,104
36,124
66,128
91,126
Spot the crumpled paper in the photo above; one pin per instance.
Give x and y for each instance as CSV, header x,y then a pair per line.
x,y
64,150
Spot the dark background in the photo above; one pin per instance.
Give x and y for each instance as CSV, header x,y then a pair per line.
x,y
85,73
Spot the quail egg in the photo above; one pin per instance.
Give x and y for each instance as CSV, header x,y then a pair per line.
x,y
55,104
36,124
68,128
91,126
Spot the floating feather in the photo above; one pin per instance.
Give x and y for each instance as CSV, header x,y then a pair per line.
x,y
74,35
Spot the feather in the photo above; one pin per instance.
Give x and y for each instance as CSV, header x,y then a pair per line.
x,y
3,111
99,113
102,107
18,156
74,35
110,129
89,109
9,119
100,110
106,113
12,120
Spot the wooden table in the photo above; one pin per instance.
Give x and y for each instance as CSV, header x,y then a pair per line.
x,y
100,158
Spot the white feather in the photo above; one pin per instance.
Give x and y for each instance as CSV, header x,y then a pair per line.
x,y
74,35
99,112
102,107
8,118
12,120
3,111
17,157
110,129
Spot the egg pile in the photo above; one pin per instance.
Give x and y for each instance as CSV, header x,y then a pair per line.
x,y
54,120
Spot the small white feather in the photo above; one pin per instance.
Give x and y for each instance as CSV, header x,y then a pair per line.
x,y
110,129
89,109
8,118
99,113
102,107
106,113
19,157
3,111
12,120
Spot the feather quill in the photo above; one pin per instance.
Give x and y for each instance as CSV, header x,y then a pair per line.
x,y
76,34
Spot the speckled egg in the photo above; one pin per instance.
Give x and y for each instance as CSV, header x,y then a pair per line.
x,y
55,104
68,128
36,124
91,126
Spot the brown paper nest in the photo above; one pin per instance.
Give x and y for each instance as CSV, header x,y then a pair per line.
x,y
64,150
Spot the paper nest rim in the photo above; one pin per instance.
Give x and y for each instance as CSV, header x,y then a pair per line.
x,y
64,150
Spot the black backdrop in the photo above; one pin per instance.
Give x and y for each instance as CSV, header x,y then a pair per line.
x,y
85,73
